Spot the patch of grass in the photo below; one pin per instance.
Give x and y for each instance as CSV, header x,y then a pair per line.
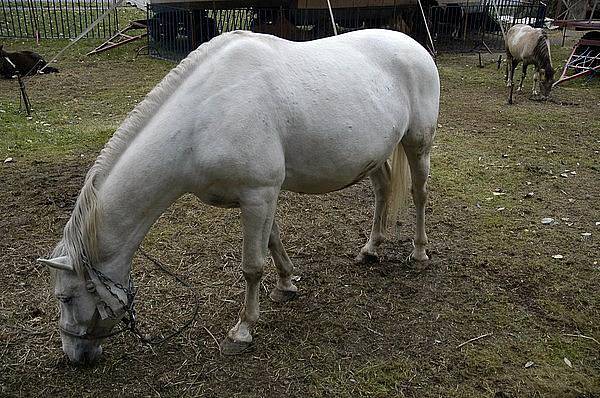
x,y
79,108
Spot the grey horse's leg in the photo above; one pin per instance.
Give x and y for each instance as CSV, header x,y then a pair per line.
x,y
258,212
381,186
523,77
419,161
509,60
513,66
536,77
285,289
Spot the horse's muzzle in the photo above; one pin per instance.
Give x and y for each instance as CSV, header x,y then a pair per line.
x,y
81,351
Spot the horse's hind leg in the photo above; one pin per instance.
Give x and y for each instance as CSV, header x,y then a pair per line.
x,y
258,212
381,185
419,161
285,289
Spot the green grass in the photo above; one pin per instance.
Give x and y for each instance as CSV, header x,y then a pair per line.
x,y
79,108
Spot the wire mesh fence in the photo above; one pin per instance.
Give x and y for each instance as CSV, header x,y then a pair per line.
x,y
56,19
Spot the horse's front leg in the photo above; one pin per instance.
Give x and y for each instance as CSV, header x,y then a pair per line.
x,y
285,289
509,61
381,186
536,77
522,77
258,212
513,66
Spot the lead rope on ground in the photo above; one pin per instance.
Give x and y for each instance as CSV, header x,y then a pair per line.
x,y
133,322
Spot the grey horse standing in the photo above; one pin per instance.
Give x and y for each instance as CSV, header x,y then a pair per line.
x,y
530,46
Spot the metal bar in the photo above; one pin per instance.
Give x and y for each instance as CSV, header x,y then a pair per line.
x,y
593,10
426,26
332,19
5,19
18,20
62,19
25,14
80,16
575,76
49,15
74,21
43,17
55,14
31,16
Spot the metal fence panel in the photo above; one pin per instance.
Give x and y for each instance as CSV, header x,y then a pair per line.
x,y
57,19
467,27
176,30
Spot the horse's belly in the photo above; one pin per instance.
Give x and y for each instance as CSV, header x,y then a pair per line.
x,y
317,181
328,168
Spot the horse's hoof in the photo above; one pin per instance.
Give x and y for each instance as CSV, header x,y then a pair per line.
x,y
367,258
419,256
282,296
232,347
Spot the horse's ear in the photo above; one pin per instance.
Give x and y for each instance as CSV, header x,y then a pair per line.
x,y
62,263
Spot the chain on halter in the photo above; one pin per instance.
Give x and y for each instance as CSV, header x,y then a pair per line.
x,y
128,307
131,319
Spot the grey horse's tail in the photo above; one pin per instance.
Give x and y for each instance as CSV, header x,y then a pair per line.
x,y
400,182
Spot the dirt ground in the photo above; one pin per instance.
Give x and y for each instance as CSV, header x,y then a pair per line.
x,y
389,329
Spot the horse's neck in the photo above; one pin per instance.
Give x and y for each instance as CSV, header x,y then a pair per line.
x,y
132,196
543,59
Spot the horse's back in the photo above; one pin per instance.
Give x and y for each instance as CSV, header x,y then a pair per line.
x,y
521,39
371,64
320,113
346,101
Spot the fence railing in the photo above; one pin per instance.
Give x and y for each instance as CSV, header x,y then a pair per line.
x,y
64,19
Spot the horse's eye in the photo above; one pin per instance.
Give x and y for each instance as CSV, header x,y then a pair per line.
x,y
65,300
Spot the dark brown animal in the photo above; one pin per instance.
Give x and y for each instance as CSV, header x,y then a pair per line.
x,y
23,63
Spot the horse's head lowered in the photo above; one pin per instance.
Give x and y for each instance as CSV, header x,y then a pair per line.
x,y
91,304
546,80
543,61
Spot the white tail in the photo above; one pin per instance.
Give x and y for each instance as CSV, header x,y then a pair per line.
x,y
400,182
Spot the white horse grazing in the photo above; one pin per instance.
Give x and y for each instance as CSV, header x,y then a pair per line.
x,y
530,46
240,119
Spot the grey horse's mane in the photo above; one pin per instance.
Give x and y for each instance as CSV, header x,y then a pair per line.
x,y
541,54
79,240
